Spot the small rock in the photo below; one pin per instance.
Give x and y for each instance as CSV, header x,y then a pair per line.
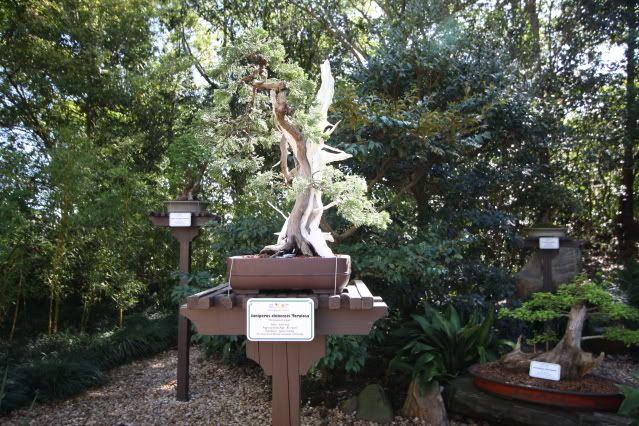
x,y
373,405
349,406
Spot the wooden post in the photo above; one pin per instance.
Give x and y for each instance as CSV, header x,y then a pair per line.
x,y
185,237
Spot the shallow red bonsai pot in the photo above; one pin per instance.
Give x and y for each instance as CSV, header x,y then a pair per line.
x,y
558,398
320,274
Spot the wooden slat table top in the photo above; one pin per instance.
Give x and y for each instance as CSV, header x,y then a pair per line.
x,y
355,296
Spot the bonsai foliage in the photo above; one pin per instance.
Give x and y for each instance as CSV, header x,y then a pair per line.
x,y
440,345
259,84
575,301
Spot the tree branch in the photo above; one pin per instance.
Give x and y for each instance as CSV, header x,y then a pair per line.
x,y
599,336
381,172
269,85
359,52
196,62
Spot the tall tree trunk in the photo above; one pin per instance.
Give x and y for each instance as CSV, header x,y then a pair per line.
x,y
56,314
626,225
533,20
51,297
14,321
84,319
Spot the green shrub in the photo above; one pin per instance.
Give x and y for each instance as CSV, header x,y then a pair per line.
x,y
628,279
439,346
231,348
345,353
61,365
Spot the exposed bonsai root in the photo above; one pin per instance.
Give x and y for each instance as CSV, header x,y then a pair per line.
x,y
517,359
574,362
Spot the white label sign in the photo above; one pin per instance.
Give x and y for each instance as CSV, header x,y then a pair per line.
x,y
179,220
280,320
545,370
548,243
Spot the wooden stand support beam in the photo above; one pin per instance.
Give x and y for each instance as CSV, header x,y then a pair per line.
x,y
286,362
184,236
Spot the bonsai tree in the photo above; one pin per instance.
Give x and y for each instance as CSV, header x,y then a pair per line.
x,y
187,167
575,301
258,84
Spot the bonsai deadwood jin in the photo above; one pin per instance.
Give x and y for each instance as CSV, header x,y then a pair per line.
x,y
257,65
574,301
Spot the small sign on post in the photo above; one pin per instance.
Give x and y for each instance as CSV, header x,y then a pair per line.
x,y
549,243
179,220
545,370
280,320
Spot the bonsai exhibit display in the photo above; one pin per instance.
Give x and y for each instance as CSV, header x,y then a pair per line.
x,y
319,212
286,339
576,301
264,99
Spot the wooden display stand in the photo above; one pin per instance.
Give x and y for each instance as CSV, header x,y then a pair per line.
x,y
184,235
219,311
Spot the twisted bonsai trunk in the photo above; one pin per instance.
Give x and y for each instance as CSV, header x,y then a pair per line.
x,y
574,362
301,233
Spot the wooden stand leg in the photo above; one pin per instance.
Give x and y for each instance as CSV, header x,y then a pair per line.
x,y
184,236
286,362
286,386
184,338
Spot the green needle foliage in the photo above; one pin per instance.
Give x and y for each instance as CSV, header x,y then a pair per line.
x,y
581,290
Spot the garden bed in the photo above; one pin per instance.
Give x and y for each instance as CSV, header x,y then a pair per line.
x,y
589,384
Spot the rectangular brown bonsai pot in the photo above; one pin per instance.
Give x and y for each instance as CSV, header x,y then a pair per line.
x,y
320,274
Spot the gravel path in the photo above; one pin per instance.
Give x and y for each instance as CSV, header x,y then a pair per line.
x,y
143,393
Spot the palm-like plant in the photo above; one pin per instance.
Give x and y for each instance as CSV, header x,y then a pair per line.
x,y
439,346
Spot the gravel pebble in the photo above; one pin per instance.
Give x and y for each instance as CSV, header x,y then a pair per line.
x,y
143,393
619,368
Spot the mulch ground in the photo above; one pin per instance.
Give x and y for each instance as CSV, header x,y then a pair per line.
x,y
143,393
589,383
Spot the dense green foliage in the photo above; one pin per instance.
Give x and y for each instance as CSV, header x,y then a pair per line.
x,y
470,121
580,291
57,366
439,346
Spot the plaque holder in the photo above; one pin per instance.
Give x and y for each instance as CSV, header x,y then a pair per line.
x,y
219,311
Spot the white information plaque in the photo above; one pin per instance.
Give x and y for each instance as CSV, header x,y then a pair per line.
x,y
548,243
545,370
280,320
179,220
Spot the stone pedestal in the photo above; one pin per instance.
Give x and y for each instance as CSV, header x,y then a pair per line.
x,y
547,268
565,263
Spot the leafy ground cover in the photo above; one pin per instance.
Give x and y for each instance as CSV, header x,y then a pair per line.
x,y
64,364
